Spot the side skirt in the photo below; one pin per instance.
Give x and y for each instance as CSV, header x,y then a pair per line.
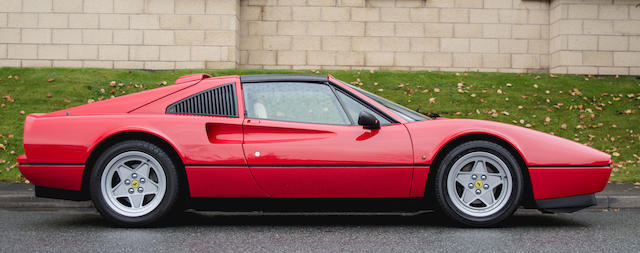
x,y
308,205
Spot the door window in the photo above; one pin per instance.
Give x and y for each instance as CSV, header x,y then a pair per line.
x,y
291,101
354,108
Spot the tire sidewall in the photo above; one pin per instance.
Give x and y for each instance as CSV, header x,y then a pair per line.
x,y
445,204
169,200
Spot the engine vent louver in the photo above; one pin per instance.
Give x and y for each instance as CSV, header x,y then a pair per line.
x,y
218,101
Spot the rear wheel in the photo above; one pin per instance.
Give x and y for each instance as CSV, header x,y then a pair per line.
x,y
134,183
479,183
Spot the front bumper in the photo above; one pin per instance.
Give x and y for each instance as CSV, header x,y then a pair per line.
x,y
550,182
566,204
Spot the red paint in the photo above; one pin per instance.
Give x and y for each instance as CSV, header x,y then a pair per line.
x,y
419,181
68,177
222,181
270,142
535,147
551,182
332,161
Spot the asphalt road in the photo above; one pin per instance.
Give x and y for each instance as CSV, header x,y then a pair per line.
x,y
65,231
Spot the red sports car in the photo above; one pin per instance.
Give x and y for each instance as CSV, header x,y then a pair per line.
x,y
297,142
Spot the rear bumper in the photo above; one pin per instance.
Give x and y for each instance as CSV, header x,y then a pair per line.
x,y
50,175
566,204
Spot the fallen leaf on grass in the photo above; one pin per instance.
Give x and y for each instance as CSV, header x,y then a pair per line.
x,y
563,126
50,80
432,100
8,98
436,90
49,95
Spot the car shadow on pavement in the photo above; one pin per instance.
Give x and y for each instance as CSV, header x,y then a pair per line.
x,y
427,220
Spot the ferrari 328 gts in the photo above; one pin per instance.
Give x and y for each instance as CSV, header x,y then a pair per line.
x,y
297,142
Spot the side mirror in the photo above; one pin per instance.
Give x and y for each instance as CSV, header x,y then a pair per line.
x,y
368,121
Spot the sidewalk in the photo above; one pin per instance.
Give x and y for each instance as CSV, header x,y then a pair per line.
x,y
15,196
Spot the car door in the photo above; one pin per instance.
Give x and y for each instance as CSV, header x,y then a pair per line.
x,y
299,142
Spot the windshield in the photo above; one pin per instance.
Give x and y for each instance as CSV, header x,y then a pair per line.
x,y
406,113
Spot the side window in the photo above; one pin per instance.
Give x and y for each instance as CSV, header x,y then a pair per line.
x,y
354,108
289,101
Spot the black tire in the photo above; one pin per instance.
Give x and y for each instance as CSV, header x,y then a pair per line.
x,y
172,198
456,215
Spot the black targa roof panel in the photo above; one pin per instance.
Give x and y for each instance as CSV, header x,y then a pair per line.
x,y
283,78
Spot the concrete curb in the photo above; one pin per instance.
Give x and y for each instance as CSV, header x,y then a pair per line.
x,y
22,197
28,201
622,202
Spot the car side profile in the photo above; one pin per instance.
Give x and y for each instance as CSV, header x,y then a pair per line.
x,y
292,142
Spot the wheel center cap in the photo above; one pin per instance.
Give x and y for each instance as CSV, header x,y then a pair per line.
x,y
477,184
135,184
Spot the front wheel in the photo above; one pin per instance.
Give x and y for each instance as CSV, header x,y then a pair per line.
x,y
479,183
134,183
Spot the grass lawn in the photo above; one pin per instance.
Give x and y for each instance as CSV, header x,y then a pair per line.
x,y
602,112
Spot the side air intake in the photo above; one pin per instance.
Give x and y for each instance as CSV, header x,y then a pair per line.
x,y
218,101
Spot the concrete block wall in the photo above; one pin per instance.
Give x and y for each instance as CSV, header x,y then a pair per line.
x,y
562,36
595,37
452,35
139,34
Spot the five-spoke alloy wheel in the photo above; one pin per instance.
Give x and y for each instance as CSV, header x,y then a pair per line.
x,y
134,183
478,183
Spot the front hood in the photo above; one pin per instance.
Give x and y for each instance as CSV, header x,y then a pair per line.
x,y
123,104
536,148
